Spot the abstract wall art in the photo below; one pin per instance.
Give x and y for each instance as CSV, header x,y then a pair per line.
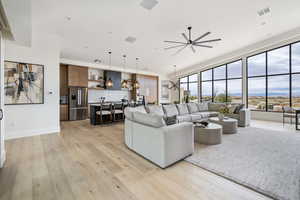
x,y
23,83
165,92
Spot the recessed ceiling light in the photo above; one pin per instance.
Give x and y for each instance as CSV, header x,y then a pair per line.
x,y
130,39
148,4
97,61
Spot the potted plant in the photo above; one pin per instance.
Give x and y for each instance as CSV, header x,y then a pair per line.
x,y
222,112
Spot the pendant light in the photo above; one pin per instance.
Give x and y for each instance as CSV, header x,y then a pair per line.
x,y
124,83
109,83
136,84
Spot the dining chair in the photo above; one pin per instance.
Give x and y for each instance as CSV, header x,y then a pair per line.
x,y
105,113
118,112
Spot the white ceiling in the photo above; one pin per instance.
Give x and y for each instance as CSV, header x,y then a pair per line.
x,y
96,26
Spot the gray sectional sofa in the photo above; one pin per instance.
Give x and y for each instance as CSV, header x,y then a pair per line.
x,y
197,111
147,133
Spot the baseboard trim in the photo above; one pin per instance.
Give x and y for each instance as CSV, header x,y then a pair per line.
x,y
30,133
3,158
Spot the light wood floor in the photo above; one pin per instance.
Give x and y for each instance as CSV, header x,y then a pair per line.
x,y
91,162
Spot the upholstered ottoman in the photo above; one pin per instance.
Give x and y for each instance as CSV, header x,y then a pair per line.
x,y
229,125
212,134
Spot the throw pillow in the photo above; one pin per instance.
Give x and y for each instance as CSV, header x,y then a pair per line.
x,y
202,106
238,108
170,120
182,109
232,109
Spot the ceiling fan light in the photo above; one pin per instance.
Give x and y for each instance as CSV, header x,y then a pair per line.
x,y
109,83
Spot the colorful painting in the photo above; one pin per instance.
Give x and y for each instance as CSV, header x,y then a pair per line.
x,y
23,83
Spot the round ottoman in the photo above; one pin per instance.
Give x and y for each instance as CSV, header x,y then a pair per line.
x,y
229,125
212,134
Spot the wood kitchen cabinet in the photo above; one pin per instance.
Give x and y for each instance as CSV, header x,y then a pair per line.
x,y
77,76
64,110
63,80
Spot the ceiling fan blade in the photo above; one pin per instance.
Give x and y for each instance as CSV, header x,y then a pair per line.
x,y
175,46
193,49
168,41
202,36
185,37
180,50
214,40
198,45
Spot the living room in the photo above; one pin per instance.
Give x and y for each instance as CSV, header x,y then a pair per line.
x,y
149,99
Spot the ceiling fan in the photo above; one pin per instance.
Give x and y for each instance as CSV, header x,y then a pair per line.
x,y
189,42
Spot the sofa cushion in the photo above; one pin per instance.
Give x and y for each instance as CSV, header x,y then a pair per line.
x,y
153,120
129,113
234,116
215,106
171,120
140,109
182,109
232,108
196,117
202,106
207,114
184,118
213,114
193,108
170,110
155,109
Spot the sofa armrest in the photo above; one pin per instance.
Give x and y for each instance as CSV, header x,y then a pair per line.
x,y
178,141
245,117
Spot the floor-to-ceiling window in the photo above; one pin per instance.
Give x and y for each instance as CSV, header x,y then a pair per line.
x,y
223,83
273,79
190,83
206,85
193,87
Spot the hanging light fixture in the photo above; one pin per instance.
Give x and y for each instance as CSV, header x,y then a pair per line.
x,y
124,83
136,84
109,83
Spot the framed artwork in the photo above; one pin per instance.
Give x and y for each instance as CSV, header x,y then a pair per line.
x,y
23,83
165,92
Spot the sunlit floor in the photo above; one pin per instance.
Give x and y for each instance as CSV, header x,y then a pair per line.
x,y
275,125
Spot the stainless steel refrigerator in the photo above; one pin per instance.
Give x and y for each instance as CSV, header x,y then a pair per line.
x,y
78,103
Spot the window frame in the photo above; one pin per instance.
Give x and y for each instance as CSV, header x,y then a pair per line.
x,y
188,84
267,75
226,79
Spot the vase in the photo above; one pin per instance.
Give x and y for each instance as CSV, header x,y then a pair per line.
x,y
221,116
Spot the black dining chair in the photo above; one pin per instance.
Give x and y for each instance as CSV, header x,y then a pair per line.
x,y
105,113
118,112
288,112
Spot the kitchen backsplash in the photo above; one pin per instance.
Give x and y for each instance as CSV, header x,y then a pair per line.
x,y
110,95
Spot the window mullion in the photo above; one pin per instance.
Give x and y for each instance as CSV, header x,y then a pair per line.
x,y
266,54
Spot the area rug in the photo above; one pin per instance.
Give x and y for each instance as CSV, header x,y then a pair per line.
x,y
263,160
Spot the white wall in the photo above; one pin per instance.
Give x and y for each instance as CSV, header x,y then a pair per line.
x,y
28,120
2,131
